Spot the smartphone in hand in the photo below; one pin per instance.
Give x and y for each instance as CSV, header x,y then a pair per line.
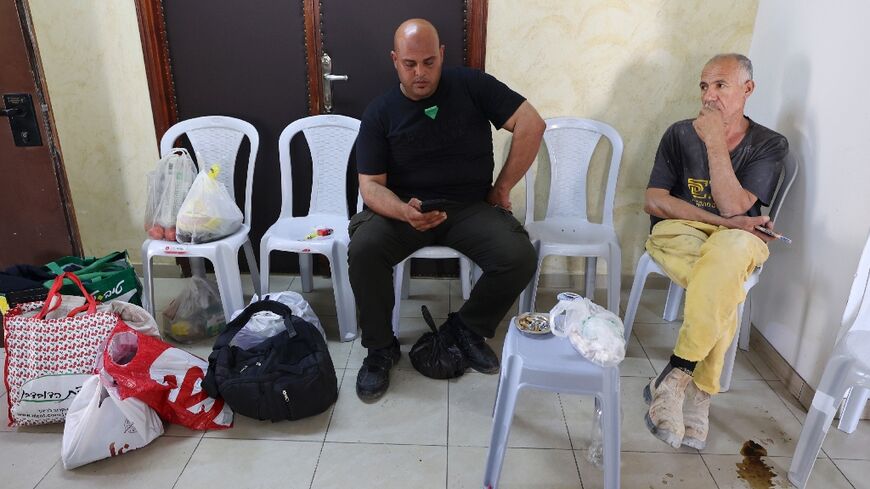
x,y
772,234
433,205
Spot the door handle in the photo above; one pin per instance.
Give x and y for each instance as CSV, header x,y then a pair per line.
x,y
328,78
18,107
14,111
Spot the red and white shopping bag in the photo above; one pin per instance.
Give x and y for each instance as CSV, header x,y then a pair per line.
x,y
164,377
50,352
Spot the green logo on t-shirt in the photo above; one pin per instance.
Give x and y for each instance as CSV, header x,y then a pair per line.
x,y
431,112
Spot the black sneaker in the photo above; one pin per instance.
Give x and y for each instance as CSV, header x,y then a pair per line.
x,y
476,352
374,375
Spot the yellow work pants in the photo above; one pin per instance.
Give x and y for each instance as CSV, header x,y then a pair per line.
x,y
711,263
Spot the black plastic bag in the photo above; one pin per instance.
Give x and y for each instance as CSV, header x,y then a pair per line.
x,y
434,355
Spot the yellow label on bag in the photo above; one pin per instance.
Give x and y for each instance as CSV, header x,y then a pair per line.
x,y
214,171
4,306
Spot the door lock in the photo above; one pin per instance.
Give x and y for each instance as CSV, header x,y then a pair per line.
x,y
328,78
22,119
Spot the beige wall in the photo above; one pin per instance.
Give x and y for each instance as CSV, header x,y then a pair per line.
x,y
632,64
95,75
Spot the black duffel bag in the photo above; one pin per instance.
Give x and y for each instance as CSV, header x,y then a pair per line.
x,y
287,376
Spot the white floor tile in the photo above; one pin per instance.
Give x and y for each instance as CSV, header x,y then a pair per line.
x,y
157,465
250,464
653,470
522,468
413,411
736,471
26,457
363,466
855,446
537,421
857,471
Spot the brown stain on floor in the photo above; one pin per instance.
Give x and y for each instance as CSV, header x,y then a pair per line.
x,y
753,470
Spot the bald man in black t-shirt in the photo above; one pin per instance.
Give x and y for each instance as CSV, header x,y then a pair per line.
x,y
427,138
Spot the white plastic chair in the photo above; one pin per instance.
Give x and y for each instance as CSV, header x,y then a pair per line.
x,y
566,229
216,139
551,363
330,139
846,373
402,276
646,266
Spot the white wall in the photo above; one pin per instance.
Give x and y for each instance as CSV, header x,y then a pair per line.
x,y
812,67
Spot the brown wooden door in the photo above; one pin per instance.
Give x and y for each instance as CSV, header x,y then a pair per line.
x,y
36,222
259,60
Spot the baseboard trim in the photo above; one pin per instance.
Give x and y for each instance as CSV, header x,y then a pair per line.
x,y
795,384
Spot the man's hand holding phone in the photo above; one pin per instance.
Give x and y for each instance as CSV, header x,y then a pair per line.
x,y
425,217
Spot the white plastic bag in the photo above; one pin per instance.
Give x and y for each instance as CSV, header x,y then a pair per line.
x,y
263,325
196,313
209,212
593,331
168,185
99,424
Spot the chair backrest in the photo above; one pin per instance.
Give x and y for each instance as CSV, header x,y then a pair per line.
x,y
857,313
217,139
570,142
789,172
330,139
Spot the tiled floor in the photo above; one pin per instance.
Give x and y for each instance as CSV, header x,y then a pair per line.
x,y
426,433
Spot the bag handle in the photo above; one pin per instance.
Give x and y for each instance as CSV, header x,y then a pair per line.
x,y
90,304
264,305
85,272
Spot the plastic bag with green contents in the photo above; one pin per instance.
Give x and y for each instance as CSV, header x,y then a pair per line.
x,y
196,313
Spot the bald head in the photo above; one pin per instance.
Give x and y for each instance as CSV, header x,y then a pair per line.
x,y
418,56
415,31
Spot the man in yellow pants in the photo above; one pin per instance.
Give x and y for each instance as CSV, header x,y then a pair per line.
x,y
711,176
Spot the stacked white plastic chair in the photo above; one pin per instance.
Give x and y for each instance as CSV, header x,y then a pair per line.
x,y
566,229
551,363
330,139
847,373
646,266
216,139
402,276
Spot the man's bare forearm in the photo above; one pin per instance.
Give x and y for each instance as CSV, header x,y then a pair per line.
x,y
382,200
660,203
524,147
730,197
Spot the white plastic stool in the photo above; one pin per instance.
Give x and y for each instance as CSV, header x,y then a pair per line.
x,y
551,363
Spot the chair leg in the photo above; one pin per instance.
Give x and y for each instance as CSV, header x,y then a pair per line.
x,y
465,277
614,279
526,301
853,408
505,403
590,275
265,258
398,275
252,266
345,304
611,429
640,275
673,302
828,396
745,323
197,266
148,286
229,280
306,273
405,268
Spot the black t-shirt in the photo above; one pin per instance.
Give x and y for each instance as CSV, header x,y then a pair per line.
x,y
441,146
681,165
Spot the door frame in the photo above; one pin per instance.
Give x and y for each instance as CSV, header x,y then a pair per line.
x,y
43,100
158,67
